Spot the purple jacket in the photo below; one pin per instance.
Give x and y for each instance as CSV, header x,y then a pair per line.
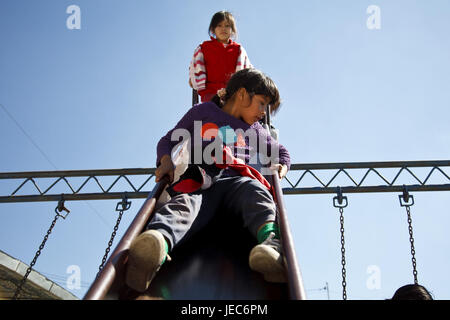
x,y
204,122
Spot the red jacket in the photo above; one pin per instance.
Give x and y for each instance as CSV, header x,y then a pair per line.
x,y
220,64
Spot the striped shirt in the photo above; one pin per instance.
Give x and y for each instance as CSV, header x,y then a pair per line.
x,y
197,69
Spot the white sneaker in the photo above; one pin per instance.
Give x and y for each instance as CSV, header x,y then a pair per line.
x,y
267,259
146,255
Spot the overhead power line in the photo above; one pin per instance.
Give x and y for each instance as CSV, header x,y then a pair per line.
x,y
30,138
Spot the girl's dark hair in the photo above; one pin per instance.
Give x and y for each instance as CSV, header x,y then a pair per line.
x,y
412,292
220,16
254,82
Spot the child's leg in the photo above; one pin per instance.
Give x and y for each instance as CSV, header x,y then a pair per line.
x,y
266,229
146,255
267,258
251,200
180,217
175,218
150,249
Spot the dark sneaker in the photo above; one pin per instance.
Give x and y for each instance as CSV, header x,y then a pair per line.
x,y
266,258
147,254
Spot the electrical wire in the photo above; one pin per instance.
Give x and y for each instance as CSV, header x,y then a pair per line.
x,y
48,159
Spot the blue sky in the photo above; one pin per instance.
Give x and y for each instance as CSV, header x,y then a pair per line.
x,y
103,95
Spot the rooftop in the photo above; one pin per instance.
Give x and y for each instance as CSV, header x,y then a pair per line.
x,y
37,286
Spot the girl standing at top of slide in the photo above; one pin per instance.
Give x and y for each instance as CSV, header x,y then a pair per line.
x,y
215,60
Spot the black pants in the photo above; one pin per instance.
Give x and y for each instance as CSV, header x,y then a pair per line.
x,y
236,197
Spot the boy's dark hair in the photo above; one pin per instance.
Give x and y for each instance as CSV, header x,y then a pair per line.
x,y
254,82
412,292
220,16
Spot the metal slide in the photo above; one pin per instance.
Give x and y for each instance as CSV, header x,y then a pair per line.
x,y
213,265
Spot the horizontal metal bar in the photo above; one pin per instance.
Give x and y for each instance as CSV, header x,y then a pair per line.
x,y
366,189
287,191
81,196
297,166
367,165
324,189
76,173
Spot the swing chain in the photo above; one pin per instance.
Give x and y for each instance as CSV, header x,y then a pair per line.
x,y
121,207
344,272
404,202
411,240
338,202
60,207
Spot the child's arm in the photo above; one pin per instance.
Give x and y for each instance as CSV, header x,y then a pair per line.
x,y
243,62
282,170
166,167
197,70
284,158
180,133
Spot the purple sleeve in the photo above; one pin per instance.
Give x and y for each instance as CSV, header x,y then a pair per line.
x,y
284,157
165,144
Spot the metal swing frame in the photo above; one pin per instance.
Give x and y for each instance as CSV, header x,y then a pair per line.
x,y
116,261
